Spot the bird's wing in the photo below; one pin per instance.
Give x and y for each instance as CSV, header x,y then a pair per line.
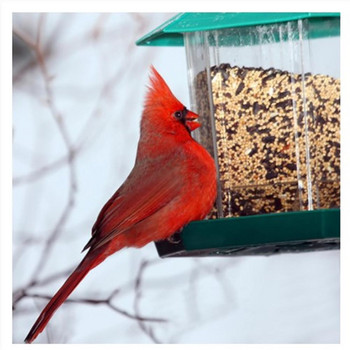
x,y
140,197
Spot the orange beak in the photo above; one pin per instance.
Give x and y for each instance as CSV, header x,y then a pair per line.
x,y
191,122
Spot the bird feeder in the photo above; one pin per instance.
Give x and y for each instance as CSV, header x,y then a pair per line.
x,y
267,89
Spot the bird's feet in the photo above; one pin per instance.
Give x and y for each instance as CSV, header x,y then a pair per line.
x,y
175,238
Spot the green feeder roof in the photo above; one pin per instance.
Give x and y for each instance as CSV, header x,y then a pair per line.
x,y
171,32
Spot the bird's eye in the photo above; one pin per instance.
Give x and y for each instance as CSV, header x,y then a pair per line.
x,y
178,114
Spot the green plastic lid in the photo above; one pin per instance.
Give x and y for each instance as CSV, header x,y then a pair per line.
x,y
171,32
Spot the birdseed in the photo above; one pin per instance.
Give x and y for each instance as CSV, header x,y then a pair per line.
x,y
276,138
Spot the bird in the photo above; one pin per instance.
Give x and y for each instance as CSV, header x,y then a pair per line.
x,y
173,182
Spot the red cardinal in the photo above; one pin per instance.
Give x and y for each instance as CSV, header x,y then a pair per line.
x,y
172,183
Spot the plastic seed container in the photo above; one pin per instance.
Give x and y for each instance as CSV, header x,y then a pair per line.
x,y
267,89
269,98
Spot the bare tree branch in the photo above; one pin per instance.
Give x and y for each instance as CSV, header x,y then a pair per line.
x,y
138,294
107,301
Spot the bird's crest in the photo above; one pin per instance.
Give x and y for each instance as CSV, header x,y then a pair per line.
x,y
158,91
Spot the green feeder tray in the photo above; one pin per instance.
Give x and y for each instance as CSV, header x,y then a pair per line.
x,y
267,234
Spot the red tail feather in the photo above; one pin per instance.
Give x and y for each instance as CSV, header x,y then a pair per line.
x,y
88,263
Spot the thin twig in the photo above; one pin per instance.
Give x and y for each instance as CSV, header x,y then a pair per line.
x,y
138,293
107,302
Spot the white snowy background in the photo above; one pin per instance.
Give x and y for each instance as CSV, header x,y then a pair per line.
x,y
78,89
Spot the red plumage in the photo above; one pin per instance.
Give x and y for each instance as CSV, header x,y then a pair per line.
x,y
172,183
